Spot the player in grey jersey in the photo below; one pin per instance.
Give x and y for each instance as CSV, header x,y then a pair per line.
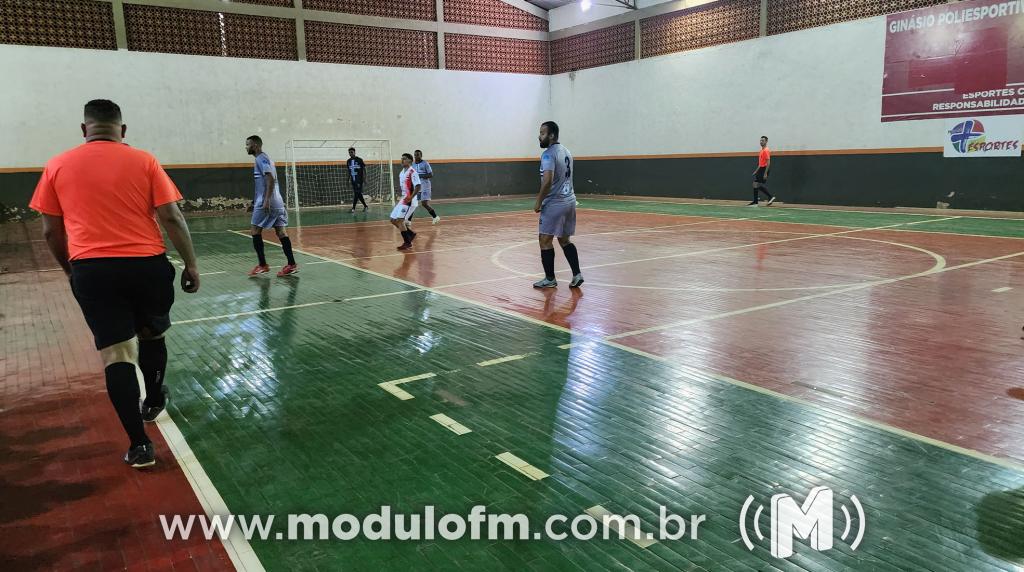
x,y
556,203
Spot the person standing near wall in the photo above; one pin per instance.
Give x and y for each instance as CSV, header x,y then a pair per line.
x,y
556,203
764,165
356,173
268,210
100,204
426,174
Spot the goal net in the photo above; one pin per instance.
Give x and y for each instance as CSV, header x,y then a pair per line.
x,y
318,179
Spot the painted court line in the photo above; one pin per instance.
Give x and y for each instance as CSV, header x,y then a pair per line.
x,y
451,424
807,297
237,547
254,312
531,472
816,407
623,529
392,386
1003,289
501,360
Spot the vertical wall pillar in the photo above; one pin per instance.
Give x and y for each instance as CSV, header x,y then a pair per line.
x,y
440,34
120,31
764,18
300,31
637,44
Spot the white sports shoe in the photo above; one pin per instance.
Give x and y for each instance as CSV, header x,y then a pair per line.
x,y
576,281
545,283
437,219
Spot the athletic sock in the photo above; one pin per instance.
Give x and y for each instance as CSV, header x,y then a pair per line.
x,y
153,363
431,211
286,245
573,257
407,236
257,243
123,390
547,258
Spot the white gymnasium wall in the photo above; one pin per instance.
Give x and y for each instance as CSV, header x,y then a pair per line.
x,y
194,109
809,90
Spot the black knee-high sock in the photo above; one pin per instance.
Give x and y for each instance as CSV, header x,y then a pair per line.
x,y
153,363
405,237
123,390
757,193
547,258
431,211
286,245
573,257
363,199
257,243
764,189
356,195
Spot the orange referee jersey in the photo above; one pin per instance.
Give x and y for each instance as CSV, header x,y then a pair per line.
x,y
763,156
107,193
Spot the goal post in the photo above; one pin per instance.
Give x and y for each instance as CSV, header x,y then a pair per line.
x,y
318,179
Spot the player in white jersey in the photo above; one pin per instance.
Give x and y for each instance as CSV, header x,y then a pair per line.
x,y
426,174
268,210
409,182
556,203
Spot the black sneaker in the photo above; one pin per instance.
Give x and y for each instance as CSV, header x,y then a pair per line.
x,y
140,457
149,414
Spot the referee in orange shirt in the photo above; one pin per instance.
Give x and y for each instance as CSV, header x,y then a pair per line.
x,y
100,203
764,164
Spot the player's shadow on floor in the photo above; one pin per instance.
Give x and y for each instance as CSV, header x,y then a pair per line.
x,y
1001,525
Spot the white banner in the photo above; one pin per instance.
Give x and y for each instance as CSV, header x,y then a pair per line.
x,y
991,136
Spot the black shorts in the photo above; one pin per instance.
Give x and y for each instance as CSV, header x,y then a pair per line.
x,y
357,186
123,297
759,176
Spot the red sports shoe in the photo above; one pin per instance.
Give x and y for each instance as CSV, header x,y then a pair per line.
x,y
288,270
259,270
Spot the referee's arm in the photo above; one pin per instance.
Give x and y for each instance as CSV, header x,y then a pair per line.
x,y
57,240
177,230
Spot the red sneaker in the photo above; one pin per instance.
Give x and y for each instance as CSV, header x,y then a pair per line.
x,y
259,270
288,270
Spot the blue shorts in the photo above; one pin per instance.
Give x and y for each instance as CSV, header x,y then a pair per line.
x,y
425,194
558,218
272,218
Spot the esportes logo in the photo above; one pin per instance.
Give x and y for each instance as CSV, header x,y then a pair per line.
x,y
812,521
968,136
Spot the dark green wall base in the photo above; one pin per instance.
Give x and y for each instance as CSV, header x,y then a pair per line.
x,y
882,180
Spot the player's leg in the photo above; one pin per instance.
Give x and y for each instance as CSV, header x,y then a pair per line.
x,y
407,225
573,258
764,189
102,287
154,298
259,222
547,261
398,220
280,227
425,196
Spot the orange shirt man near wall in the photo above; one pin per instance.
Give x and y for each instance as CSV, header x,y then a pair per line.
x,y
100,204
764,164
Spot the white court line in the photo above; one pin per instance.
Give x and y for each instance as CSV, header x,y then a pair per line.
x,y
237,547
626,531
451,424
816,407
212,273
803,298
1003,289
531,472
778,208
501,360
392,386
253,312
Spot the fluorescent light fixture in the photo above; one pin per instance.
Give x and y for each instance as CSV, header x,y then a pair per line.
x,y
585,5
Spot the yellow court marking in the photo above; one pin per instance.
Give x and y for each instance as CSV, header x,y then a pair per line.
x,y
451,424
392,386
531,472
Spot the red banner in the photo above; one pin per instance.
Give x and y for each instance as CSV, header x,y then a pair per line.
x,y
954,60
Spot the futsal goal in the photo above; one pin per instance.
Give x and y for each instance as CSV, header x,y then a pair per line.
x,y
318,179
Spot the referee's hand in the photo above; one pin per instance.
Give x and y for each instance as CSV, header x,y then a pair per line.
x,y
190,280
